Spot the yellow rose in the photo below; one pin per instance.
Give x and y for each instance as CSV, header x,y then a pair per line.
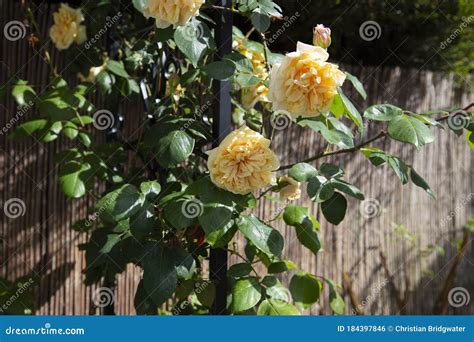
x,y
67,27
304,84
93,72
258,92
292,189
243,162
171,12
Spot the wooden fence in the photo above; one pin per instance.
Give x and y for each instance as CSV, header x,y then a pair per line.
x,y
42,241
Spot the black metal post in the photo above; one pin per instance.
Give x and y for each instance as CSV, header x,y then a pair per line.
x,y
222,124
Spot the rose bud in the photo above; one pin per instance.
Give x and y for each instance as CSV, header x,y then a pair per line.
x,y
322,36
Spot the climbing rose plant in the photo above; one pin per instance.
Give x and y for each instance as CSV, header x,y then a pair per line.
x,y
171,196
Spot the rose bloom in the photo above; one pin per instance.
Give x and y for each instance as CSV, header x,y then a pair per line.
x,y
243,162
304,84
67,27
258,92
93,72
291,191
171,12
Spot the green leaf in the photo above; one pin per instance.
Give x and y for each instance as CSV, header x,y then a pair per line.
x,y
221,70
70,130
192,40
150,189
143,303
294,214
333,136
265,238
302,172
357,85
334,209
26,129
305,289
351,111
320,189
139,4
222,237
174,148
120,204
23,93
182,212
215,217
419,181
159,273
400,168
206,293
246,293
410,130
277,267
331,170
335,300
308,236
144,221
111,241
239,270
260,20
382,112
117,68
272,307
105,81
185,263
347,188
71,179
